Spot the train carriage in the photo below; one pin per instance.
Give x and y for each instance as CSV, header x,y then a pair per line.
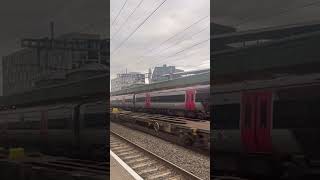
x,y
62,129
272,118
191,101
124,101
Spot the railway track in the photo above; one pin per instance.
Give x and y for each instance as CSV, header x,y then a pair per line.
x,y
146,164
191,134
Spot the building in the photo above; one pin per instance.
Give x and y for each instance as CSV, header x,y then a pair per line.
x,y
159,72
126,80
24,69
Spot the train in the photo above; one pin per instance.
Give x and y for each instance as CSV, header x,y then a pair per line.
x,y
75,129
276,119
190,101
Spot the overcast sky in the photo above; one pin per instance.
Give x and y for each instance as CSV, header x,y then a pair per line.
x,y
172,17
253,14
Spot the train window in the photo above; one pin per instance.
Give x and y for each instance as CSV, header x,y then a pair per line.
x,y
172,98
15,125
202,97
116,101
32,125
226,116
59,123
95,120
296,113
140,99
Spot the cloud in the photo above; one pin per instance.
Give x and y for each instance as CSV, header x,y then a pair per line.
x,y
171,18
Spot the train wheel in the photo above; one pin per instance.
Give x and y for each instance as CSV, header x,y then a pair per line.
x,y
294,169
201,116
156,126
186,140
291,171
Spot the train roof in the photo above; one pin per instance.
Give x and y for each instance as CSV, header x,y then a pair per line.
x,y
203,78
80,90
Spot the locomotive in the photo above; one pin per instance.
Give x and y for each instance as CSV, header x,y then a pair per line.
x,y
189,101
276,118
65,129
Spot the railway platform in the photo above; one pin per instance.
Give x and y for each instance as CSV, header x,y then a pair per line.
x,y
117,171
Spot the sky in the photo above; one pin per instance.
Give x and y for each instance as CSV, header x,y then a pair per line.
x,y
253,14
145,48
30,19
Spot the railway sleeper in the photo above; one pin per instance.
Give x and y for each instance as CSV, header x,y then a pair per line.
x,y
175,177
160,175
131,157
138,160
148,171
121,152
142,165
156,172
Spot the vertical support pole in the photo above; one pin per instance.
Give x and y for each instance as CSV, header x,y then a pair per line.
x,y
44,123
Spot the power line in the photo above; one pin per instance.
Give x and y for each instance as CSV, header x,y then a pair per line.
x,y
126,39
184,54
183,50
180,57
205,59
248,19
178,42
122,25
119,12
176,34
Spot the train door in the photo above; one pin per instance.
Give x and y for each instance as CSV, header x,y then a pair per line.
x,y
256,121
190,100
44,130
148,100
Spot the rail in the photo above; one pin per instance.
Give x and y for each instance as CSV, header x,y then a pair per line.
x,y
145,163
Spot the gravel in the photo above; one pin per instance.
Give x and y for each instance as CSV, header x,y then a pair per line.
x,y
191,161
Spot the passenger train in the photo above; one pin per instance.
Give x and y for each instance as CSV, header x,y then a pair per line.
x,y
65,129
276,118
190,101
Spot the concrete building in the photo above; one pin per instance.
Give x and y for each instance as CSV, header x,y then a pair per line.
x,y
127,80
159,72
22,69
